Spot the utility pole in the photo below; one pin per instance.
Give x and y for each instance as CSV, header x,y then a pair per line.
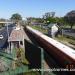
x,y
7,29
7,34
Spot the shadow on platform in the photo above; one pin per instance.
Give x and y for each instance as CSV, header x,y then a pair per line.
x,y
33,55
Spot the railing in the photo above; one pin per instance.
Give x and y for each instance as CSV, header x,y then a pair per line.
x,y
63,54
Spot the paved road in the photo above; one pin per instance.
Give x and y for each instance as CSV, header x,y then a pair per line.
x,y
3,42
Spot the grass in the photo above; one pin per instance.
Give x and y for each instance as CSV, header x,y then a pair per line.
x,y
68,26
65,40
40,29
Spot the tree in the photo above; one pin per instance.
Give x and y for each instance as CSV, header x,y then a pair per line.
x,y
70,18
48,14
59,20
39,20
2,24
49,17
50,20
31,20
16,17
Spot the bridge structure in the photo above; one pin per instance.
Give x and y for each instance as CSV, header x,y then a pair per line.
x,y
45,53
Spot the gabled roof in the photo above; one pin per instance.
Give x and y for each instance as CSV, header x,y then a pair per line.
x,y
16,35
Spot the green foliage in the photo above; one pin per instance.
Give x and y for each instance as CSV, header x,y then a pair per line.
x,y
40,29
49,17
50,20
60,20
55,20
70,18
16,17
2,24
31,20
48,14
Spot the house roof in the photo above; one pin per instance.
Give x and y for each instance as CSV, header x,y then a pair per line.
x,y
16,35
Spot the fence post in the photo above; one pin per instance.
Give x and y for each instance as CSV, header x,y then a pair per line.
x,y
42,61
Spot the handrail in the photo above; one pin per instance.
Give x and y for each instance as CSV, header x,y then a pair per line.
x,y
54,47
